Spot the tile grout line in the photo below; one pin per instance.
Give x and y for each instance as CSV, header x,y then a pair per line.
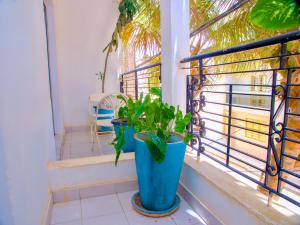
x,y
66,221
122,208
85,138
66,148
62,147
81,214
106,214
71,145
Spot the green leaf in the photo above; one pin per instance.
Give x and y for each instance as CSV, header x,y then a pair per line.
x,y
118,143
187,118
122,113
156,91
122,98
181,122
276,14
157,147
188,137
141,97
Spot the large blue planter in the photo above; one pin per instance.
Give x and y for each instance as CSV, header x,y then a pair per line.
x,y
158,182
129,133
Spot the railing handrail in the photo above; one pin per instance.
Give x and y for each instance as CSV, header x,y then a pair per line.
x,y
141,68
244,47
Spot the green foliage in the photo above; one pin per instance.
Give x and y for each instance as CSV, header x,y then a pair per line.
x,y
129,115
160,121
127,10
118,143
276,14
157,120
143,33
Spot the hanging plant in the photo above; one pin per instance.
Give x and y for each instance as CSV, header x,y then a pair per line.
x,y
276,14
127,9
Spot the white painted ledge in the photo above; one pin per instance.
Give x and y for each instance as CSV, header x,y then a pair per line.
x,y
232,198
91,171
89,161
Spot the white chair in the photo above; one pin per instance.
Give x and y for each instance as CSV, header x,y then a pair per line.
x,y
106,110
93,102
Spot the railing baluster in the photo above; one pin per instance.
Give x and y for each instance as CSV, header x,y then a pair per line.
x,y
201,82
283,51
202,77
229,125
159,72
136,85
122,84
188,98
269,151
285,124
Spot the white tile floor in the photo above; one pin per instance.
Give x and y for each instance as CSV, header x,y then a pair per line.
x,y
79,143
116,210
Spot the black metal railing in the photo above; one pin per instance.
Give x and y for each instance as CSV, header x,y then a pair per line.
x,y
245,105
139,80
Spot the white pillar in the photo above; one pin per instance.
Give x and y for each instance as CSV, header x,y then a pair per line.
x,y
175,46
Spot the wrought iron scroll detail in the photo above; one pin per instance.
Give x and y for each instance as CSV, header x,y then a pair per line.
x,y
196,103
276,137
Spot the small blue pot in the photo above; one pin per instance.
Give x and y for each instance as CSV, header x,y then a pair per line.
x,y
158,182
129,133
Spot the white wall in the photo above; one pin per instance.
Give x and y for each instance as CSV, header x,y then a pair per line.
x,y
83,29
55,80
26,131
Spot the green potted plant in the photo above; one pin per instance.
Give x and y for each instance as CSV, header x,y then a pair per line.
x,y
124,126
160,144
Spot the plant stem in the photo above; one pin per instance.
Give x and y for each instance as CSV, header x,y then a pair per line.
x,y
105,69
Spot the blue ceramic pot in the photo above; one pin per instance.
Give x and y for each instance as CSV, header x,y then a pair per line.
x,y
129,133
158,182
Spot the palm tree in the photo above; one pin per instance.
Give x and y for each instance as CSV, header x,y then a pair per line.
x,y
142,35
209,19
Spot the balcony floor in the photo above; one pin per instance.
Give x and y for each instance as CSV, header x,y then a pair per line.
x,y
116,210
78,143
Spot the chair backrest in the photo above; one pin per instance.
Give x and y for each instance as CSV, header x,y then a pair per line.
x,y
111,102
94,100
